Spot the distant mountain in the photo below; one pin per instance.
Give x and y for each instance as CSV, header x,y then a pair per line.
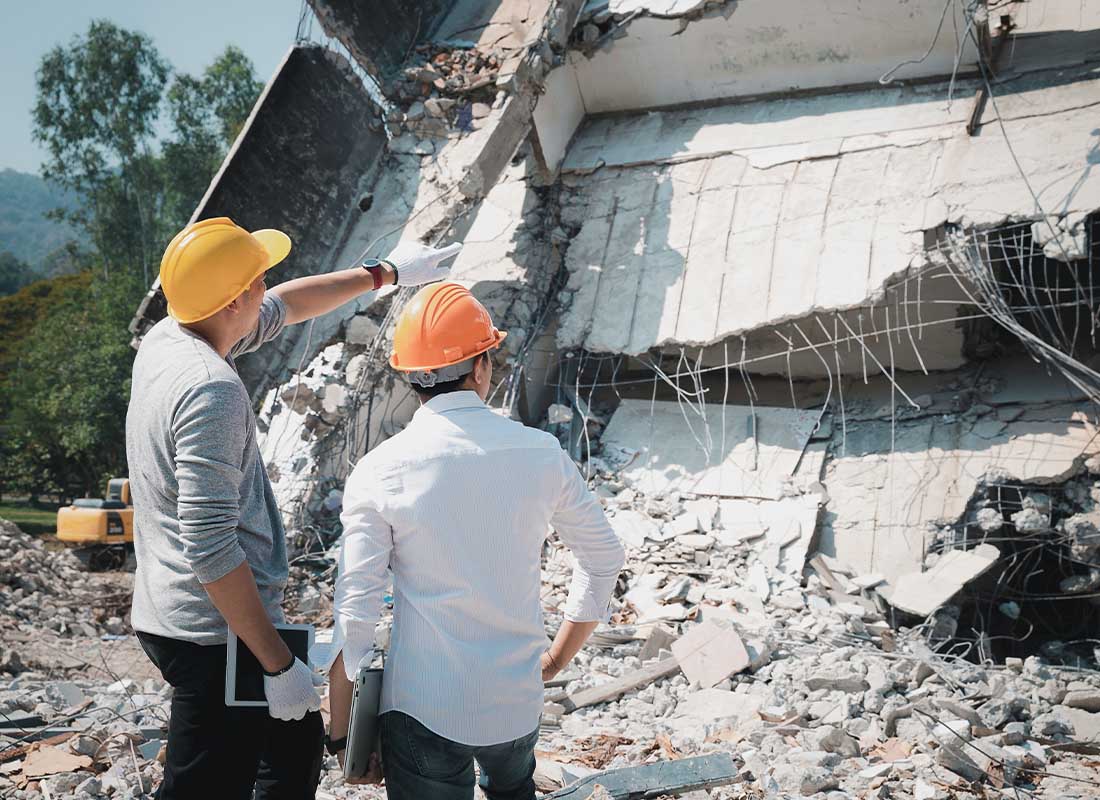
x,y
25,230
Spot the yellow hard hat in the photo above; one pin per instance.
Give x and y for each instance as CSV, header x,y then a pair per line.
x,y
210,263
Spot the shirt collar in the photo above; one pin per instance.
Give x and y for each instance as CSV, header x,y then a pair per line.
x,y
451,401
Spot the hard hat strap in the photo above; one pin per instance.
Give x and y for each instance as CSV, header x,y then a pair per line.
x,y
427,378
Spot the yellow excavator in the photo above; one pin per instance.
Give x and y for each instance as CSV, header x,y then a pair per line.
x,y
101,529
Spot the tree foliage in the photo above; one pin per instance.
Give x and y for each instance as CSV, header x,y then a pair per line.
x,y
65,355
14,274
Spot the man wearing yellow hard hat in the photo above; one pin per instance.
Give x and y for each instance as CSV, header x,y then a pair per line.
x,y
457,506
209,539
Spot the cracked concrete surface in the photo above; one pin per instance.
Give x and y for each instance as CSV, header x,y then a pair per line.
x,y
805,205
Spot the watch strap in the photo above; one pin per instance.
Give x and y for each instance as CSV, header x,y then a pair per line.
x,y
284,670
334,746
374,269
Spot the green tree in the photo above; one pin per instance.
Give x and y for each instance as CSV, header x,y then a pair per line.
x,y
65,371
14,274
96,114
207,113
68,393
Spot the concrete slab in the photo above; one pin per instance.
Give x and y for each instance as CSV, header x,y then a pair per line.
x,y
633,528
921,593
718,705
885,505
711,452
761,46
806,205
780,531
709,653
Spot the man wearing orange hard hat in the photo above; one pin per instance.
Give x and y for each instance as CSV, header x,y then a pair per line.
x,y
209,539
457,506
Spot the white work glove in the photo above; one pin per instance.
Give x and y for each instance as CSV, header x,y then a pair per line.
x,y
417,264
291,695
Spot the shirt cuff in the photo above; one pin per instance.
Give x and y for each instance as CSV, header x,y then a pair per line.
x,y
355,639
589,598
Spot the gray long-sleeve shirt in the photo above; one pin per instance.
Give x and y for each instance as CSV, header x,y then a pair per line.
x,y
202,500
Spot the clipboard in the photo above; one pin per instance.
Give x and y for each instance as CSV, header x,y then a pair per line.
x,y
244,677
363,724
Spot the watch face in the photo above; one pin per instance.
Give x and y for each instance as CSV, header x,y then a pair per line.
x,y
371,262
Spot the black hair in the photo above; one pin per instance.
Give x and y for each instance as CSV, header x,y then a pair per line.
x,y
446,387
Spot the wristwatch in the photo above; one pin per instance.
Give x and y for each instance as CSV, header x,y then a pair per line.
x,y
334,746
374,267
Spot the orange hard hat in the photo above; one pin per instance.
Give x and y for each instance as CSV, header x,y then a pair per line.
x,y
441,326
210,263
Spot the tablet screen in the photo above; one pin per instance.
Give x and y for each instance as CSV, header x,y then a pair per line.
x,y
249,675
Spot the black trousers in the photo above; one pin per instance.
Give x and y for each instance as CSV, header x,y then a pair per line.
x,y
220,753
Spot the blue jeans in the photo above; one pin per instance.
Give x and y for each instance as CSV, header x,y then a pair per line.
x,y
421,765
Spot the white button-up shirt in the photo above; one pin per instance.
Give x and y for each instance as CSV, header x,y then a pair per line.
x,y
458,506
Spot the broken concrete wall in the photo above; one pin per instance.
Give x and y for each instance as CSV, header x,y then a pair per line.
x,y
898,479
699,225
298,165
378,33
755,47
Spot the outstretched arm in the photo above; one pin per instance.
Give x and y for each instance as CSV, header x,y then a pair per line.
x,y
314,295
410,264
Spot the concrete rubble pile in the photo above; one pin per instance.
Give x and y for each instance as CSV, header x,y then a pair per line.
x,y
811,688
44,589
92,740
75,736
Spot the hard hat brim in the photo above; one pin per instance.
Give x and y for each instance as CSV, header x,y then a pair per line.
x,y
276,243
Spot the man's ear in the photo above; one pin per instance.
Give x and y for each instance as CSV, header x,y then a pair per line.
x,y
481,367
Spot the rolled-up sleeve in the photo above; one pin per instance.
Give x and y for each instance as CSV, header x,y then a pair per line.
x,y
361,580
581,523
210,443
270,324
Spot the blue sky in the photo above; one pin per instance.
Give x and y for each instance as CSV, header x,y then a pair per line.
x,y
190,35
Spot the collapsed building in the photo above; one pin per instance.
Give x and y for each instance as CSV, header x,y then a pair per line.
x,y
813,278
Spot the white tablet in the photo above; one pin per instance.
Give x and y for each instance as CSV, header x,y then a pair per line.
x,y
244,677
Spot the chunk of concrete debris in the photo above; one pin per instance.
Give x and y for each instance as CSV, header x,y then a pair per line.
x,y
654,780
709,653
660,638
758,580
1088,699
990,520
848,683
683,525
705,510
646,599
869,581
559,414
620,686
835,740
361,331
713,705
921,593
953,758
633,528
